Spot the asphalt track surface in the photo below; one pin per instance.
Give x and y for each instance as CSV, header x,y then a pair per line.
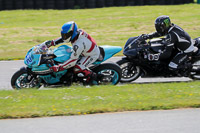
x,y
8,68
165,121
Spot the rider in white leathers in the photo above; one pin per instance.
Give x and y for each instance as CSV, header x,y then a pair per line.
x,y
85,50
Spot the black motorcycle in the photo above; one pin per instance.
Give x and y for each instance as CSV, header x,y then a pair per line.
x,y
142,60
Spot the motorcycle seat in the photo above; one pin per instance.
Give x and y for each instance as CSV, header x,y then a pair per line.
x,y
196,42
196,51
102,54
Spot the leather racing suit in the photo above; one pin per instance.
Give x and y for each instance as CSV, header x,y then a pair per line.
x,y
85,51
177,39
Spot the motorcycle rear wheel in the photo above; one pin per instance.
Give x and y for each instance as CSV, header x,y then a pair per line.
x,y
21,80
108,74
130,72
195,75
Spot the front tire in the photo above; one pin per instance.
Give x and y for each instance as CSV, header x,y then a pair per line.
x,y
109,73
22,79
130,72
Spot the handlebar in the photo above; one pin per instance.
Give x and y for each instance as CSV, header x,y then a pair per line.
x,y
47,59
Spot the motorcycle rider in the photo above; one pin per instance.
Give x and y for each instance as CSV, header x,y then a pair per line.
x,y
84,52
176,38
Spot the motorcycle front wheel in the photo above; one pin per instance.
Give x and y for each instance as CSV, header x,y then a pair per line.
x,y
130,72
22,79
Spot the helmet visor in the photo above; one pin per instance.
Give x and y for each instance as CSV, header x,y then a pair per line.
x,y
160,28
66,36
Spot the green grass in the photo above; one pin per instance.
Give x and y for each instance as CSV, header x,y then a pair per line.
x,y
98,99
22,29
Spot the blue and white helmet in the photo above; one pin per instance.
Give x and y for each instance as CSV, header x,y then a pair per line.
x,y
69,31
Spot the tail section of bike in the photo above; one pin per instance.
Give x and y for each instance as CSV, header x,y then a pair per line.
x,y
107,52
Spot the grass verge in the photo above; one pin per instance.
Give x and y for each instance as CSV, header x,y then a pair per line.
x,y
22,29
98,99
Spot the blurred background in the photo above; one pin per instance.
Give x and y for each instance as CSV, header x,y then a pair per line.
x,y
81,4
20,29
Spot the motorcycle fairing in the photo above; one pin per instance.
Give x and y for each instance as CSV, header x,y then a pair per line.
x,y
31,59
131,46
53,77
62,53
156,45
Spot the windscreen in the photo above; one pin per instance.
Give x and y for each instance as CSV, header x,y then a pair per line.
x,y
42,49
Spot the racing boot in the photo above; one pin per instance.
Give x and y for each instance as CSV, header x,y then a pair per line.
x,y
89,76
182,70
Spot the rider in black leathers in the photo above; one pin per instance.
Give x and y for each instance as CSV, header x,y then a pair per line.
x,y
176,38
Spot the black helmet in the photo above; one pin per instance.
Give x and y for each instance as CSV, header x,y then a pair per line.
x,y
162,24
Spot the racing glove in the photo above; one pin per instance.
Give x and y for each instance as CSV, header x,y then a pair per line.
x,y
50,43
145,36
142,38
57,68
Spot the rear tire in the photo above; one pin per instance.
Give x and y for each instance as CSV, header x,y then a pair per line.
x,y
111,73
130,72
21,79
195,75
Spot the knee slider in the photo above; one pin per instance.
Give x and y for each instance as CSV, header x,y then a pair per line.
x,y
173,66
77,69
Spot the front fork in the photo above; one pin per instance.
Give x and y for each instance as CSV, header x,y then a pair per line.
x,y
130,67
